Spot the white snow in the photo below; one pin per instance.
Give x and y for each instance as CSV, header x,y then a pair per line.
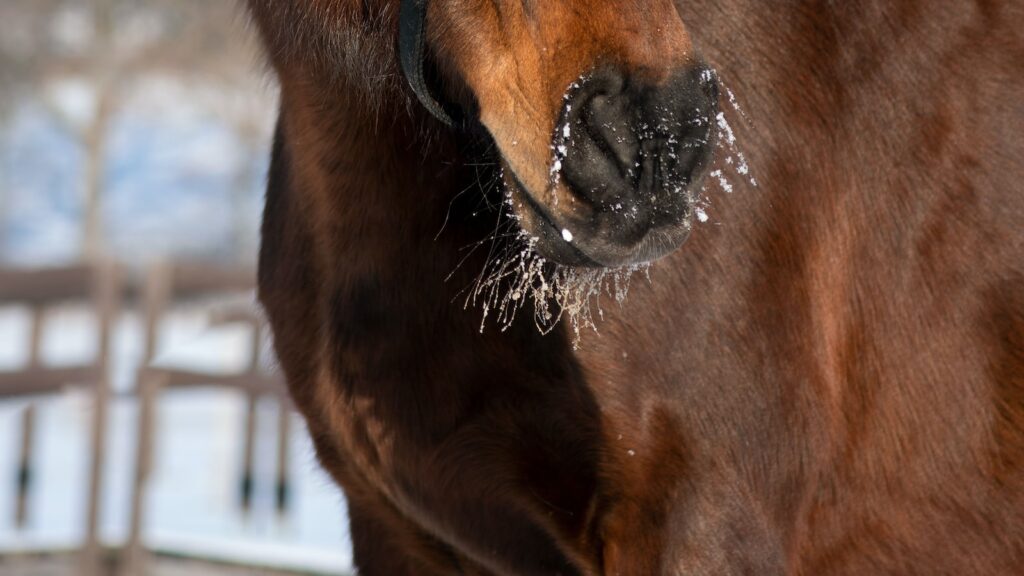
x,y
194,485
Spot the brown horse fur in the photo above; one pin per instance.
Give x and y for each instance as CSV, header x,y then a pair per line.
x,y
829,381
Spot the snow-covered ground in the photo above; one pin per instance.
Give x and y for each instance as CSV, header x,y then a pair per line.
x,y
194,494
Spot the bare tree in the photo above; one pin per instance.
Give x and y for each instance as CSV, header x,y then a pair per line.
x,y
110,46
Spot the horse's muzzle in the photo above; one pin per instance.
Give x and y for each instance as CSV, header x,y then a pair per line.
x,y
632,154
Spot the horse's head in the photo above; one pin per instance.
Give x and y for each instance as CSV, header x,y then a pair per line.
x,y
601,111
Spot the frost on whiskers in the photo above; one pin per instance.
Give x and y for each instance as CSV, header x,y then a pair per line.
x,y
522,278
732,166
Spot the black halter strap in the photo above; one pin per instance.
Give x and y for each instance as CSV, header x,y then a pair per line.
x,y
412,46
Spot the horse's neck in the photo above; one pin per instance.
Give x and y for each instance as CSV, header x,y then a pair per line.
x,y
878,192
375,192
400,223
390,248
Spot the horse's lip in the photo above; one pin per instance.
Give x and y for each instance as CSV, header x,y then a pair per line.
x,y
549,221
646,250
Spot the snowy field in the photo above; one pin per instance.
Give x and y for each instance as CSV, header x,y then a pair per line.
x,y
195,484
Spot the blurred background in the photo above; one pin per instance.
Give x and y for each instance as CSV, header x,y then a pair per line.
x,y
143,426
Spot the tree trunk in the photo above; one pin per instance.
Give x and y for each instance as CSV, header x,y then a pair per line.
x,y
95,137
95,174
5,193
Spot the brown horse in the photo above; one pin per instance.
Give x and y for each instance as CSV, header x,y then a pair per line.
x,y
827,378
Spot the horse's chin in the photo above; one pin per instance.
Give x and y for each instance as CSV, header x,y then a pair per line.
x,y
541,231
581,244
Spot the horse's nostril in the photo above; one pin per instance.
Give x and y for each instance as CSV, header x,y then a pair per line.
x,y
607,120
632,140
